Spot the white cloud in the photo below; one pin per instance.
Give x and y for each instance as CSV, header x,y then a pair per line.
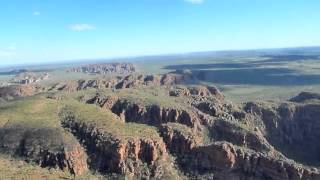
x,y
36,13
195,1
81,27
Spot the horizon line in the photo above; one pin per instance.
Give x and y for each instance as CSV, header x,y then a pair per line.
x,y
132,57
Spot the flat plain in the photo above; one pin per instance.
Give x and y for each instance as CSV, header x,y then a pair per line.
x,y
241,76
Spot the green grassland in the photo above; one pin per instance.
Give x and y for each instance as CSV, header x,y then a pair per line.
x,y
42,113
242,76
148,96
107,122
15,169
144,96
249,77
33,112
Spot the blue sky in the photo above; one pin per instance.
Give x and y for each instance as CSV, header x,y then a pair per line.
x,y
40,31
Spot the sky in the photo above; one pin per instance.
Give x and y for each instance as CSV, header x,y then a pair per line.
x,y
42,31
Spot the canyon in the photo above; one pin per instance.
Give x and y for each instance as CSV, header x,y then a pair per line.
x,y
159,127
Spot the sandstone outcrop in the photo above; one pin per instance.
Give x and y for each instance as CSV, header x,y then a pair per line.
x,y
290,127
204,91
213,138
126,82
179,138
232,162
108,153
106,68
136,81
208,136
154,115
46,147
29,77
11,92
73,86
146,114
227,131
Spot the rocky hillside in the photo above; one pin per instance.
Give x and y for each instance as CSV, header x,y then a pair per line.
x,y
159,127
107,68
29,77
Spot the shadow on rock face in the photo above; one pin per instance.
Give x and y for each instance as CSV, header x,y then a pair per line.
x,y
47,147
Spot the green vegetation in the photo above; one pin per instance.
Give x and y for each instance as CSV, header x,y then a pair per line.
x,y
248,77
42,112
147,96
241,76
144,96
107,122
42,115
31,112
15,169
52,121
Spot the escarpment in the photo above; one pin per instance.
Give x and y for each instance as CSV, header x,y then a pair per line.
x,y
190,109
241,136
179,138
46,147
251,133
109,154
106,68
134,81
124,82
291,127
114,151
233,162
202,91
259,133
11,92
154,115
154,127
112,82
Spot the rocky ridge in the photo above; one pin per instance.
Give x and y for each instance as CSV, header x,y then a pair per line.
x,y
106,68
141,156
208,136
249,151
60,152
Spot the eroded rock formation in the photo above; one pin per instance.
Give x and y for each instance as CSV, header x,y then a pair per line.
x,y
11,92
106,68
134,157
46,147
291,127
208,136
231,162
